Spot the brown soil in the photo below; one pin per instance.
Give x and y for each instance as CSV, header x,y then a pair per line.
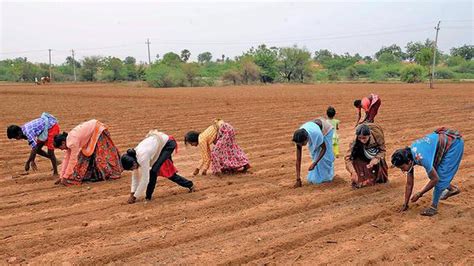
x,y
255,218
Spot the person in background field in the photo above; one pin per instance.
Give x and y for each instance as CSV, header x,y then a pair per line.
x,y
331,113
226,155
365,159
371,105
150,159
38,132
90,154
318,135
440,153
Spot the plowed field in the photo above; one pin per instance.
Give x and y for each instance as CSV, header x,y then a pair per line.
x,y
254,218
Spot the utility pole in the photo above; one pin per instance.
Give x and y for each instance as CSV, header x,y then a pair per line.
x,y
434,56
50,76
74,65
149,58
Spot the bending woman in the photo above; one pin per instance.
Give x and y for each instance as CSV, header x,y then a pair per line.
x,y
150,159
226,155
318,135
365,159
371,105
90,154
38,133
440,153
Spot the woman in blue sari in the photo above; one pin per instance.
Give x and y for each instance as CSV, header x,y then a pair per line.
x,y
440,153
318,135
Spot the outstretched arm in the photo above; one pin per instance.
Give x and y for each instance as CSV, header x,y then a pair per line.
x,y
408,189
433,175
358,117
298,166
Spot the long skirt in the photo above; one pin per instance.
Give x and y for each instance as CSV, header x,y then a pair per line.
x,y
324,170
373,110
448,167
369,177
103,164
226,155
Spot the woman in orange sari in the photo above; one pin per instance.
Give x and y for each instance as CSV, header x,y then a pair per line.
x,y
90,154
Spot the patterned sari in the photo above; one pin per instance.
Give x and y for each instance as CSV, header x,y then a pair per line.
x,y
226,155
103,164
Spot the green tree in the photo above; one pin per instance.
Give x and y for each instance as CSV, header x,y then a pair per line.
x,y
130,60
388,58
393,49
185,55
267,60
205,57
191,72
424,57
294,63
130,68
171,59
340,62
322,56
412,48
70,61
249,71
90,67
465,51
113,69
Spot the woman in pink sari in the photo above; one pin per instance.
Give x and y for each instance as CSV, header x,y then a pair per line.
x,y
90,154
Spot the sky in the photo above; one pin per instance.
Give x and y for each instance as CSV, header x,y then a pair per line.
x,y
121,28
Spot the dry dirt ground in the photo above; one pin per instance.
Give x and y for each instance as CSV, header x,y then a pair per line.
x,y
254,218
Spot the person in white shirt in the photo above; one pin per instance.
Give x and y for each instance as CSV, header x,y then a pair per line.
x,y
150,159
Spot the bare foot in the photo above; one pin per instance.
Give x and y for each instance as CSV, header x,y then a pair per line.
x,y
298,184
192,189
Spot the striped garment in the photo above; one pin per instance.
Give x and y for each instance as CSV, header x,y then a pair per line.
x,y
446,138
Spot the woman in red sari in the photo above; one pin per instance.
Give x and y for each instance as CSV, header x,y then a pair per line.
x,y
371,105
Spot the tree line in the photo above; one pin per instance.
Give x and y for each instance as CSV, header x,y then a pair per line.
x,y
262,64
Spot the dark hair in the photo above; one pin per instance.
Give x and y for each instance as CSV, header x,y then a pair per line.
x,y
402,156
128,159
357,103
13,131
331,112
191,136
300,136
58,139
363,130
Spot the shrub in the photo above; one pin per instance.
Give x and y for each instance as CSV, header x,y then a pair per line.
x,y
164,76
233,76
444,73
412,74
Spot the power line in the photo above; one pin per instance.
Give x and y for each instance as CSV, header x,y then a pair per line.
x,y
328,37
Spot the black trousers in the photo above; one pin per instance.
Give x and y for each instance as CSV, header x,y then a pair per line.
x,y
165,154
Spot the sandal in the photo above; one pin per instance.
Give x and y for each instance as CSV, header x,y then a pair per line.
x,y
450,193
429,212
